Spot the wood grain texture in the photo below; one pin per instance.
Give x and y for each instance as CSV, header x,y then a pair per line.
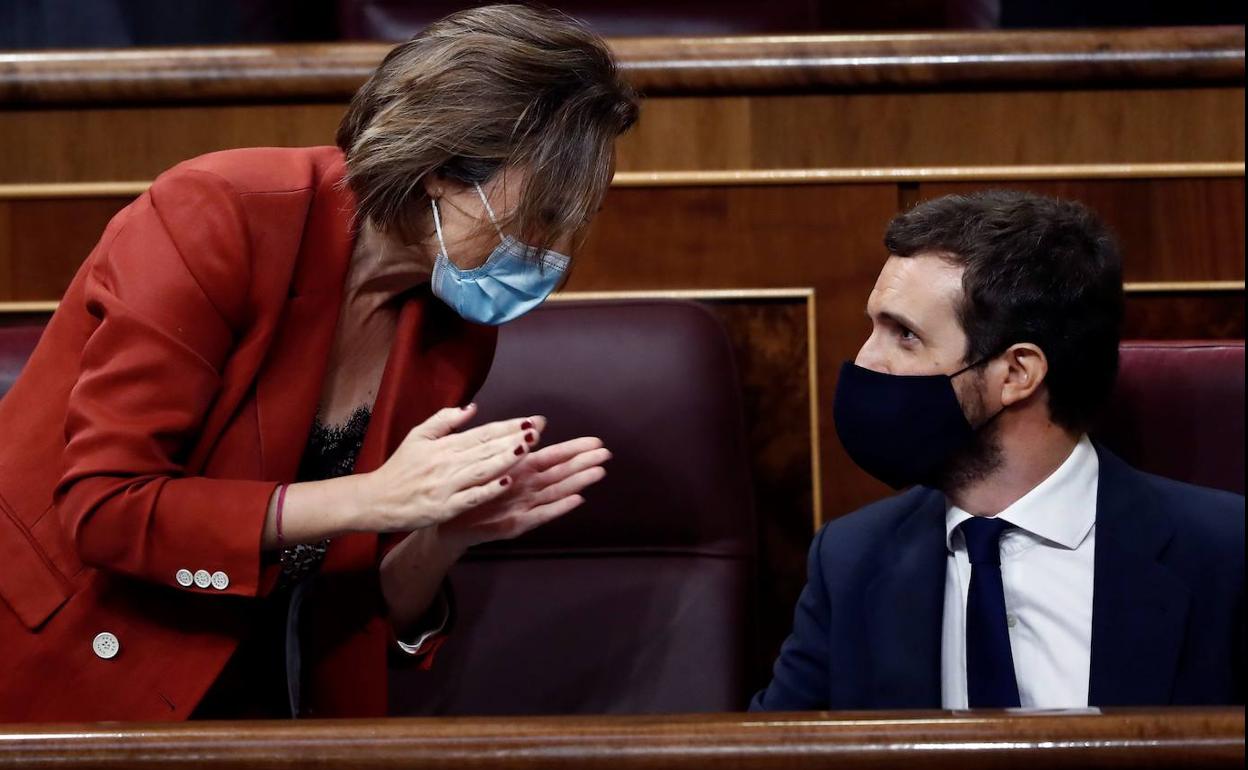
x,y
724,133
47,242
1193,315
770,344
1171,230
8,252
332,72
114,143
1171,738
986,128
906,177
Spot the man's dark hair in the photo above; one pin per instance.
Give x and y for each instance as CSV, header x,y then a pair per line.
x,y
1037,270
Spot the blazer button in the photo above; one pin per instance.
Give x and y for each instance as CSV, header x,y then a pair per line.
x,y
105,645
220,580
184,578
202,578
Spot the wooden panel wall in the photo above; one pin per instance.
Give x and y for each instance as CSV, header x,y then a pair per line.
x,y
758,163
803,131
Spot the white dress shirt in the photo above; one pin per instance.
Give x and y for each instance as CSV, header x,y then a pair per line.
x,y
1046,570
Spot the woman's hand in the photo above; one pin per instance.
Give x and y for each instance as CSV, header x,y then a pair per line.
x,y
436,474
544,486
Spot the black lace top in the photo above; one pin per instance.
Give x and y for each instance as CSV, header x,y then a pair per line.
x,y
263,678
332,449
331,452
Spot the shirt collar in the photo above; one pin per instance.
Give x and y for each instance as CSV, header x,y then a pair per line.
x,y
1060,509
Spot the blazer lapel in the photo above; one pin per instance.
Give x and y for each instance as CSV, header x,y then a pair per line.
x,y
289,386
1139,608
905,610
436,360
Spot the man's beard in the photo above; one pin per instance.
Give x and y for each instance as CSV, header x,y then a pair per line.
x,y
982,456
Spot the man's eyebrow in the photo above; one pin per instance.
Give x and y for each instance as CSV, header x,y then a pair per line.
x,y
895,318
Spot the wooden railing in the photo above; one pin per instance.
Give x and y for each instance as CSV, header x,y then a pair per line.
x,y
658,66
1173,738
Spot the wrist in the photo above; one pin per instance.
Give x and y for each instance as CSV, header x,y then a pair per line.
x,y
440,549
358,507
423,550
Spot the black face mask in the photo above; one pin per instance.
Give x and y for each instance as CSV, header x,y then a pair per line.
x,y
901,429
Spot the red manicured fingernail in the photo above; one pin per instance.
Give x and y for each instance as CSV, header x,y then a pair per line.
x,y
519,450
526,425
504,482
530,438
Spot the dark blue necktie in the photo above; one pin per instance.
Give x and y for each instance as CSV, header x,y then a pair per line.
x,y
990,680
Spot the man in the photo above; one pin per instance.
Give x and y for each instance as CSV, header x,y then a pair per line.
x,y
1028,567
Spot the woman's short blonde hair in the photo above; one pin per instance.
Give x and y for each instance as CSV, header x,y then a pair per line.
x,y
490,88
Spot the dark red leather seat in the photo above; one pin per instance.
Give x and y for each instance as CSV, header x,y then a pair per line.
x,y
1179,411
637,601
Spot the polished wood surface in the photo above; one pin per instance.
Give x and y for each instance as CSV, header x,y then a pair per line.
x,y
1172,230
100,117
1169,738
658,66
974,130
737,177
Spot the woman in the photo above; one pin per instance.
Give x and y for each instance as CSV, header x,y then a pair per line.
x,y
260,369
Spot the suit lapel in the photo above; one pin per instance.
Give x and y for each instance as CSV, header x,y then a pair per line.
x,y
1139,608
905,610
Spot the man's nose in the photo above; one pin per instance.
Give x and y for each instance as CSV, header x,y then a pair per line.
x,y
871,356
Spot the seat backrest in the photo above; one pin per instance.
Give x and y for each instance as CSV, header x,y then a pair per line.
x,y
637,602
1178,411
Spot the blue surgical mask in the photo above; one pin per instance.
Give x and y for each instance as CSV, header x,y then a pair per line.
x,y
507,285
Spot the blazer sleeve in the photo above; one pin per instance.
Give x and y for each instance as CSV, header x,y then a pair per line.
x,y
800,676
170,297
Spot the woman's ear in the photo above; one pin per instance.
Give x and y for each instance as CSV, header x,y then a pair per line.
x,y
1027,369
434,184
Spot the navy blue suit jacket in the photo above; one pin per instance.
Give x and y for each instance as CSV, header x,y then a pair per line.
x,y
1167,603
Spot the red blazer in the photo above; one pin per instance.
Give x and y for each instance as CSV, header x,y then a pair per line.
x,y
172,390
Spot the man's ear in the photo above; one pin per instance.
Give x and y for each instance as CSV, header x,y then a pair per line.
x,y
1027,368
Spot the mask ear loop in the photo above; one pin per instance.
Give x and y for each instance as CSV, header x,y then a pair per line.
x,y
437,227
966,369
489,211
980,362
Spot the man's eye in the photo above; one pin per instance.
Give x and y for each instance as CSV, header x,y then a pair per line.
x,y
908,335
